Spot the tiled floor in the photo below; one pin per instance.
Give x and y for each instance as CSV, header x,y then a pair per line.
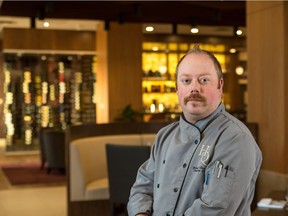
x,y
44,200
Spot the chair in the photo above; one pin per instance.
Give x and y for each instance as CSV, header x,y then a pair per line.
x,y
123,162
54,149
41,145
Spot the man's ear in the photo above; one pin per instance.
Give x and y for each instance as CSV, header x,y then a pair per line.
x,y
221,84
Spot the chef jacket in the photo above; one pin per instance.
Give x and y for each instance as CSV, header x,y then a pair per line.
x,y
209,168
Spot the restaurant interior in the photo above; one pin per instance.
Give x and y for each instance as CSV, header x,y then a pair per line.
x,y
75,76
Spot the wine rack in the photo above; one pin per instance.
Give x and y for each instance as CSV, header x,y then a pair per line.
x,y
46,91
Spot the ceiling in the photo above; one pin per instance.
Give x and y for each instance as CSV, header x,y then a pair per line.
x,y
225,13
215,17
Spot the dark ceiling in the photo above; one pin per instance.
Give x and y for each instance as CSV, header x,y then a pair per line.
x,y
220,13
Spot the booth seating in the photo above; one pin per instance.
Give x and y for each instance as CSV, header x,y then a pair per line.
x,y
88,191
88,164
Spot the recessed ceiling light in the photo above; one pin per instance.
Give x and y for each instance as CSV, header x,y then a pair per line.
x,y
239,32
46,24
194,30
149,28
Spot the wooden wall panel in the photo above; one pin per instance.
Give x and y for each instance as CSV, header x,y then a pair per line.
x,y
102,88
119,69
2,125
125,67
36,39
267,83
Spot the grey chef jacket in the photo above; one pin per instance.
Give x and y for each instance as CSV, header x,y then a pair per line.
x,y
183,175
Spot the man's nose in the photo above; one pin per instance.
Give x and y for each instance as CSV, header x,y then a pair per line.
x,y
195,86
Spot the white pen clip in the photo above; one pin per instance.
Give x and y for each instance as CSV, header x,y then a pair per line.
x,y
216,165
220,166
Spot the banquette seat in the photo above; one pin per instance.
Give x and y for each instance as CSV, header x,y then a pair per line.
x,y
87,186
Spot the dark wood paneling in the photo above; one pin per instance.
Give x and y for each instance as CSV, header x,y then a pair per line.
x,y
125,67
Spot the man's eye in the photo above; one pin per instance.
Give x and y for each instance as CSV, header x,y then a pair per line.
x,y
186,81
203,80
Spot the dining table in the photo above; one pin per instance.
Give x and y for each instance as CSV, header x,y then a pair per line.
x,y
275,195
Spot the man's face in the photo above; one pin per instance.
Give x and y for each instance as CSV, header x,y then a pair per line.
x,y
199,89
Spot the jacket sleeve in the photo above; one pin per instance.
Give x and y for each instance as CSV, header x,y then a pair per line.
x,y
141,195
229,190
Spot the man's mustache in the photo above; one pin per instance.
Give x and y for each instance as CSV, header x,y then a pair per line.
x,y
193,97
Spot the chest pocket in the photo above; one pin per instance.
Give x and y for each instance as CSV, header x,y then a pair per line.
x,y
218,186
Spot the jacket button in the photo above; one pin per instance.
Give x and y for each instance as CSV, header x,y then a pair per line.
x,y
184,165
196,142
168,214
163,161
158,185
175,190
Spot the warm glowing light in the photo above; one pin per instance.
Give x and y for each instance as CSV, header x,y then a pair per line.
x,y
9,97
28,137
25,87
194,30
155,48
163,69
27,76
232,50
62,87
152,108
149,28
52,92
44,116
239,70
161,107
46,24
239,32
27,118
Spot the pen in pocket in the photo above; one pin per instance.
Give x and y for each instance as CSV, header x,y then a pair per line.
x,y
220,166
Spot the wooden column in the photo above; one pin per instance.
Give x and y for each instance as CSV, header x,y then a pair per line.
x,y
267,37
2,98
119,73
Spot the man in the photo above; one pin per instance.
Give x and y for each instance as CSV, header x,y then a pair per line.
x,y
206,163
